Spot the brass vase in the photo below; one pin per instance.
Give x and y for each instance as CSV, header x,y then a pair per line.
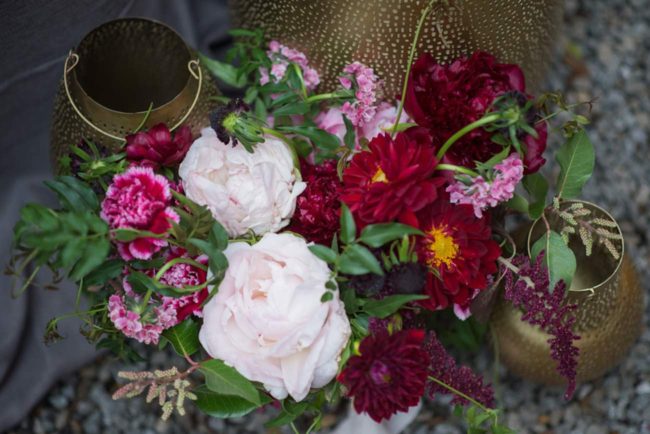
x,y
379,33
117,72
609,317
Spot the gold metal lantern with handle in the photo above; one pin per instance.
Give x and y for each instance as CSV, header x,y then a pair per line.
x,y
609,316
379,33
116,73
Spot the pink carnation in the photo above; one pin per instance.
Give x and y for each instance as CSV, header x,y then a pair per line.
x,y
139,199
145,327
281,56
183,275
363,108
482,194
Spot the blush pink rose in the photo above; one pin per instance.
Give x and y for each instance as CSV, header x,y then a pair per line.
x,y
267,319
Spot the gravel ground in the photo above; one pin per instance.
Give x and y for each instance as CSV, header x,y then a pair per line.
x,y
613,37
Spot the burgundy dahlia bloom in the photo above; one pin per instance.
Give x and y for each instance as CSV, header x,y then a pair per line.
x,y
318,207
459,252
393,179
156,147
389,374
445,98
139,199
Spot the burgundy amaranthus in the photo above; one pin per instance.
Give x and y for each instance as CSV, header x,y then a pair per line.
x,y
443,367
529,291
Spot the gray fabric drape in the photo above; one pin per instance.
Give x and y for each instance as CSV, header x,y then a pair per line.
x,y
35,36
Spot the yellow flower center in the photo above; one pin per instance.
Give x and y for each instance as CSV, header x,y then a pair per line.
x,y
379,176
443,247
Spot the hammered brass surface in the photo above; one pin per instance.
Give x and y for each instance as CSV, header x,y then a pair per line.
x,y
124,65
379,33
609,322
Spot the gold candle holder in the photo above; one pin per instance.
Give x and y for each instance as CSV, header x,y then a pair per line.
x,y
379,33
608,318
116,73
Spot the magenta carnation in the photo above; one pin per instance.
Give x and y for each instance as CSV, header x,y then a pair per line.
x,y
182,275
139,199
482,194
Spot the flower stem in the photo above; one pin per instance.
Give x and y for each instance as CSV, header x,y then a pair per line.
x,y
175,261
459,393
322,96
418,29
486,119
459,169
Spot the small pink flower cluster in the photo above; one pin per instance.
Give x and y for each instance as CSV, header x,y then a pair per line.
x,y
363,109
143,328
281,56
482,194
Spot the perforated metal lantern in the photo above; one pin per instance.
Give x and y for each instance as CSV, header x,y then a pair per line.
x,y
117,71
608,319
379,32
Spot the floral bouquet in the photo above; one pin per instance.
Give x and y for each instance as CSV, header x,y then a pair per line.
x,y
309,246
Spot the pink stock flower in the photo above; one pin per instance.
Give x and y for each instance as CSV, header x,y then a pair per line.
x,y
363,109
482,194
139,199
281,56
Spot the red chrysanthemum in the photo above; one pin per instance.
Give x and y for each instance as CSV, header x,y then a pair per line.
x,y
156,147
389,375
445,98
459,252
393,179
318,207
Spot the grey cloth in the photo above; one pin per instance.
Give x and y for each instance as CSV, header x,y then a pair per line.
x,y
35,36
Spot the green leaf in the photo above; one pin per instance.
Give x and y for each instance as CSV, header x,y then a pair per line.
x,y
70,199
140,282
518,203
349,139
379,234
559,259
224,72
576,158
296,108
184,337
290,411
389,305
348,227
320,138
357,260
327,296
325,253
95,253
110,269
218,236
82,189
223,406
537,187
71,253
225,380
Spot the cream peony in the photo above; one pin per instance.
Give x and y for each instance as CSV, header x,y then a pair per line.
x,y
243,190
267,319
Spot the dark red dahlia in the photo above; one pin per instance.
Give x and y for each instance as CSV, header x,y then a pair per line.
x,y
459,253
156,147
318,208
393,179
389,374
445,98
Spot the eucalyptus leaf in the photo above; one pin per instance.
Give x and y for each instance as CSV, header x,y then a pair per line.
x,y
576,159
559,259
